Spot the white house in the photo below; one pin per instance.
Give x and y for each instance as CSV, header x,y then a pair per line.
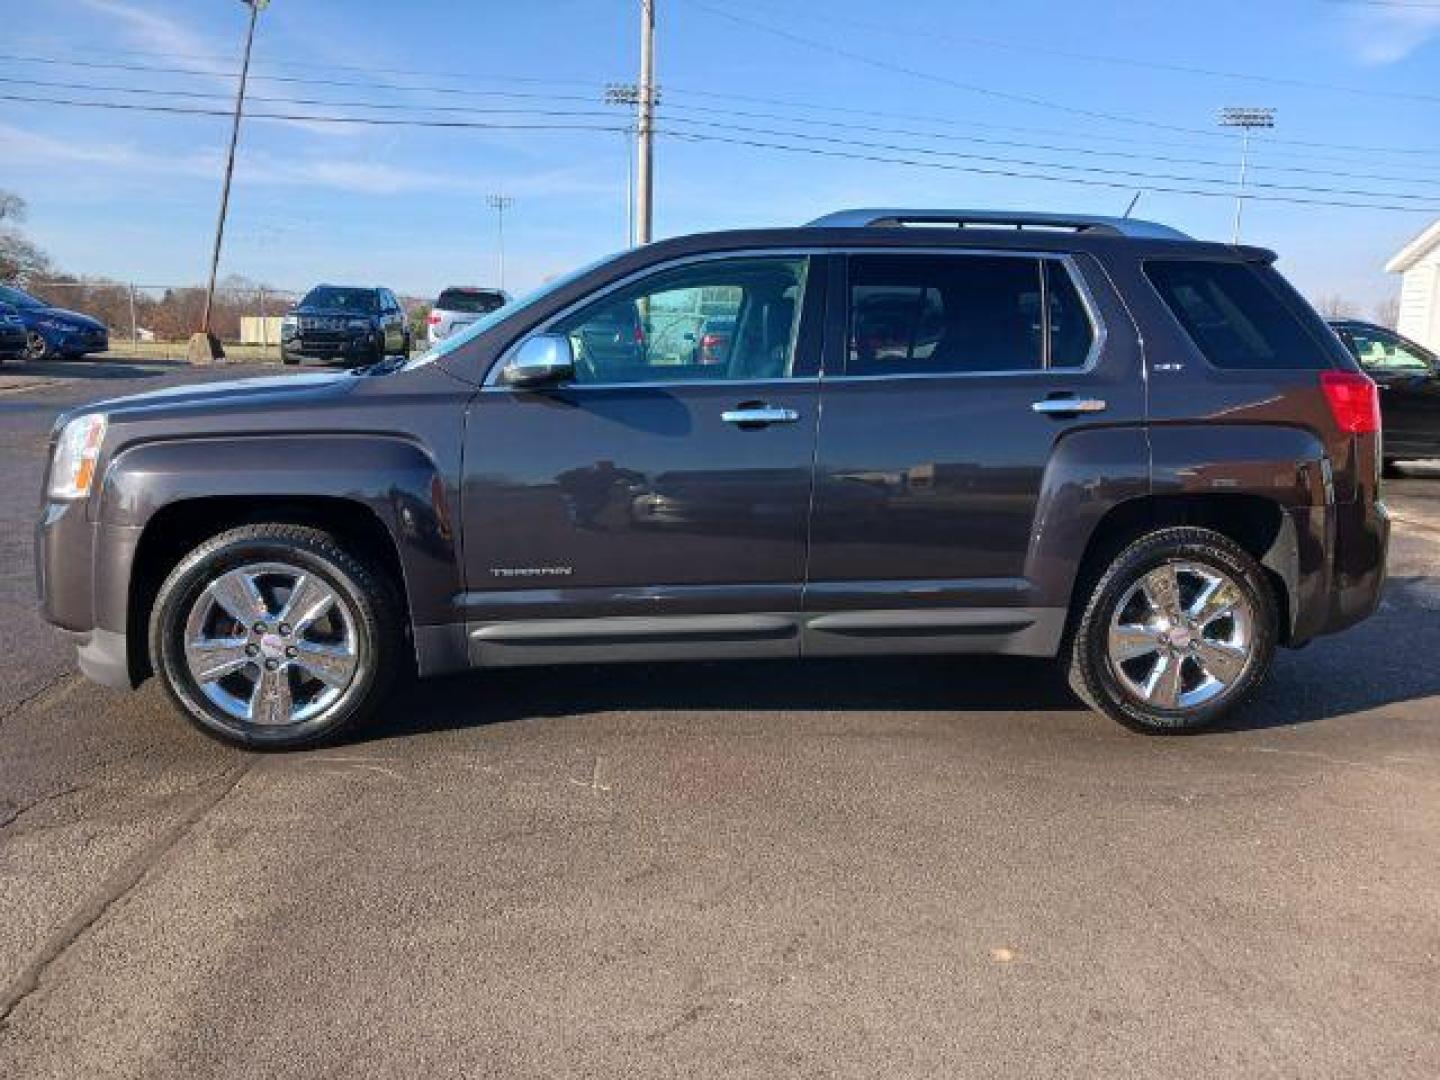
x,y
1419,262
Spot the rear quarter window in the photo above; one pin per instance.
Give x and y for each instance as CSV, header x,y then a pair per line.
x,y
1234,316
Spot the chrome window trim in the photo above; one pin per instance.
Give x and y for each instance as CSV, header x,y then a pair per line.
x,y
1098,331
492,377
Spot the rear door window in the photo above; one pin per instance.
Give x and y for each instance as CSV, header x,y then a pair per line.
x,y
1233,316
963,314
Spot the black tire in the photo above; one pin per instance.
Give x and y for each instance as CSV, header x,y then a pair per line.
x,y
37,348
1094,678
374,620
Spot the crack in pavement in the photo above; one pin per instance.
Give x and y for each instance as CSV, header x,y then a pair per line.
x,y
116,887
38,693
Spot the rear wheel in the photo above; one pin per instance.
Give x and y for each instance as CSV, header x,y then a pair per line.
x,y
275,636
1180,630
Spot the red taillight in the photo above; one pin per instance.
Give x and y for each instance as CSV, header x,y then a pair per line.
x,y
434,318
1354,401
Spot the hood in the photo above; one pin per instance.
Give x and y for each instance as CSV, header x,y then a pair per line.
x,y
240,395
79,319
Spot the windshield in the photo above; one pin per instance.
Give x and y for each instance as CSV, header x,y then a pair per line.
x,y
19,299
499,315
328,296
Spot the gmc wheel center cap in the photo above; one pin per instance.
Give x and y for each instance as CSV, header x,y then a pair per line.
x,y
272,646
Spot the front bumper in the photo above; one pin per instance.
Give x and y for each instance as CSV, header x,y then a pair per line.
x,y
82,577
12,339
353,347
79,342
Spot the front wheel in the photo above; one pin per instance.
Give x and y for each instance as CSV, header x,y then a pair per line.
x,y
36,347
275,636
1179,630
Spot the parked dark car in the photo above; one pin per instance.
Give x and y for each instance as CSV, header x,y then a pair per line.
x,y
12,332
54,332
1172,472
1409,383
346,324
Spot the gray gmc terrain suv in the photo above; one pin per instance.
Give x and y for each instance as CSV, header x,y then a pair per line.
x,y
923,432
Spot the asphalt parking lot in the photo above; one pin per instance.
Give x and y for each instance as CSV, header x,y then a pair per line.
x,y
903,868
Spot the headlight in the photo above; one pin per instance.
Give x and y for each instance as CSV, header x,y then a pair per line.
x,y
73,470
358,324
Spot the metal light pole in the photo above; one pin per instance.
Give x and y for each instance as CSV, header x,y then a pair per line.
x,y
1247,119
205,346
500,203
626,94
645,125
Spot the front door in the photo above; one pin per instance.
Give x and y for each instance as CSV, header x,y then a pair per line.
x,y
657,503
951,402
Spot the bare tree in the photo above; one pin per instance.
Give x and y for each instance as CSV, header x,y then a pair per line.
x,y
1387,312
20,260
1335,306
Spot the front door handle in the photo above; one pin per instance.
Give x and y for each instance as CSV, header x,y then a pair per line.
x,y
1062,406
745,415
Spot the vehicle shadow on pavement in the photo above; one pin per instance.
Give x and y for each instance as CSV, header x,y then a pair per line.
x,y
1357,671
92,369
908,684
1367,667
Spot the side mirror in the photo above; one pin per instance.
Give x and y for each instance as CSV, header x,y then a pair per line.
x,y
542,359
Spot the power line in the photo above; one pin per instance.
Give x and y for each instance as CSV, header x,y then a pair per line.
x,y
1019,175
719,96
676,114
1031,47
1025,99
773,144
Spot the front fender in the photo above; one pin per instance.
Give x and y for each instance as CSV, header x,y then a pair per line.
x,y
393,478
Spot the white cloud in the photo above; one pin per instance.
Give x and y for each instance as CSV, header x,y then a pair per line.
x,y
22,148
1383,35
153,32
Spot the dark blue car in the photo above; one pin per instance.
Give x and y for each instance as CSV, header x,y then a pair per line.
x,y
12,332
53,332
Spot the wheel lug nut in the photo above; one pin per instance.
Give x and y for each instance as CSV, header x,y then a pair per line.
x,y
271,665
292,652
252,650
285,629
260,628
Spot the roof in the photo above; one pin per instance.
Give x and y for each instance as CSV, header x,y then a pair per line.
x,y
1415,250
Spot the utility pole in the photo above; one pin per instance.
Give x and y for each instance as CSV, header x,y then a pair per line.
x,y
1247,119
205,346
500,203
645,126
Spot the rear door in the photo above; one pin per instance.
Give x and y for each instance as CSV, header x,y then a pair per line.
x,y
953,382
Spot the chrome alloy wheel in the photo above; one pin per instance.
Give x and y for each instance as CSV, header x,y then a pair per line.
x,y
271,644
1181,636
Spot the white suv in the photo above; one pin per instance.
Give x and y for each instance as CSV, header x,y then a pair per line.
x,y
460,306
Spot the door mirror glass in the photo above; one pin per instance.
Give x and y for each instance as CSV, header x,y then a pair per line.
x,y
540,360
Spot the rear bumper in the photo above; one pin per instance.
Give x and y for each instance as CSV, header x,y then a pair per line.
x,y
1340,567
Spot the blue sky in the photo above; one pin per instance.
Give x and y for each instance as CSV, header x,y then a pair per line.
x,y
1028,86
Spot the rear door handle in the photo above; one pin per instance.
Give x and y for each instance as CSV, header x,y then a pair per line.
x,y
1065,405
746,415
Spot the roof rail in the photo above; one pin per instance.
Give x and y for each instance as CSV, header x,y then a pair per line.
x,y
991,219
